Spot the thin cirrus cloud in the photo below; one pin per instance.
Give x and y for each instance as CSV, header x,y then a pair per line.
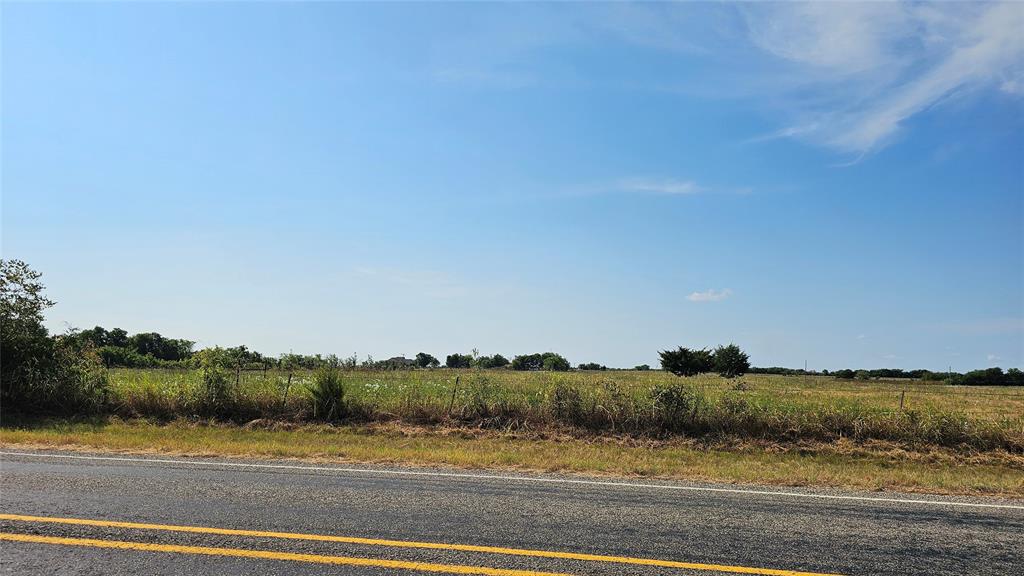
x,y
873,66
662,187
710,295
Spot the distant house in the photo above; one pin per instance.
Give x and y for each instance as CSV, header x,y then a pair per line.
x,y
400,362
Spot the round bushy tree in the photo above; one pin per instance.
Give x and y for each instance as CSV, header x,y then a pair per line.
x,y
730,361
686,362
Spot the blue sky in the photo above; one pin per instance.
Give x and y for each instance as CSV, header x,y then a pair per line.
x,y
841,184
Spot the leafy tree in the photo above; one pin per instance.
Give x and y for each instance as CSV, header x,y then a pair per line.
x,y
39,373
162,348
25,346
730,361
591,366
458,361
686,362
642,367
424,360
545,361
528,362
117,337
555,362
496,361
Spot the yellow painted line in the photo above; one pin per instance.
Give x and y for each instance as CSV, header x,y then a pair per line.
x,y
270,555
414,544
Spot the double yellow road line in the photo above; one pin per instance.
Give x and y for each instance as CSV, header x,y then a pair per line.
x,y
350,560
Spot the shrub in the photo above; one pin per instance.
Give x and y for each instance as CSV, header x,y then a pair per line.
x,y
215,395
675,406
591,366
642,367
567,404
327,393
79,382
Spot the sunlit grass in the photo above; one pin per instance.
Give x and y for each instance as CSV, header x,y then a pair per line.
x,y
872,467
786,408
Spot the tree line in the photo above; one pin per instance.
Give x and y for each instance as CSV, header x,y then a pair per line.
x,y
67,372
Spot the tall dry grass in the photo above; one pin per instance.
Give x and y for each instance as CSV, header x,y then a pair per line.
x,y
651,404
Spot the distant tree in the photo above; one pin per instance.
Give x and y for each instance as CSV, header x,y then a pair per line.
x,y
990,377
117,337
730,361
96,336
845,374
527,362
424,360
642,367
686,362
591,366
496,361
555,362
545,361
458,361
160,347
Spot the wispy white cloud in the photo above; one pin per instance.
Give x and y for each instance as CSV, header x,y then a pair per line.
x,y
993,357
667,187
887,61
710,295
840,38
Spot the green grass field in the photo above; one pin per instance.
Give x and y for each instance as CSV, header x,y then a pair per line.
x,y
786,430
391,390
617,403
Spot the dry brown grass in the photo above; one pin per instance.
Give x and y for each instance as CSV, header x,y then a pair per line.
x,y
864,465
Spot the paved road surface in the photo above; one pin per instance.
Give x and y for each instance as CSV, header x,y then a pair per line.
x,y
102,514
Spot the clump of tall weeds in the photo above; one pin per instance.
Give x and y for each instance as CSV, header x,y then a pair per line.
x,y
327,395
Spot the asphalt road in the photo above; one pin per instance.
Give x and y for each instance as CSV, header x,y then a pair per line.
x,y
55,514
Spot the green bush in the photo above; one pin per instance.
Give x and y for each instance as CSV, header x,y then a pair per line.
x,y
567,404
327,395
675,406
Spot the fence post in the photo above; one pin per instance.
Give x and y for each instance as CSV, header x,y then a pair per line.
x,y
454,389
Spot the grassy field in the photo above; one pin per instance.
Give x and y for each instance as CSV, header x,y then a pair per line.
x,y
614,402
766,429
392,390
